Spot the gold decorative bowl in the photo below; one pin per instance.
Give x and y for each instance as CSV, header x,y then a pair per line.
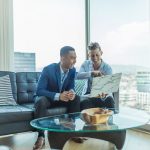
x,y
96,115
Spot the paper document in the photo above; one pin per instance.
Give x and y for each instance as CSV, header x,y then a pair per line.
x,y
105,84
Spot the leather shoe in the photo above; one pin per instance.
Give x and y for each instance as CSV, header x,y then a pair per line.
x,y
39,143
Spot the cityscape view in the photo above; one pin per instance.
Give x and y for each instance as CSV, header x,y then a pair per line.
x,y
123,36
134,90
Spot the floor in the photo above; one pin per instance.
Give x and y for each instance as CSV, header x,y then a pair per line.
x,y
24,141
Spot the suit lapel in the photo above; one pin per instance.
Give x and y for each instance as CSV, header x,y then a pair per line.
x,y
66,81
58,76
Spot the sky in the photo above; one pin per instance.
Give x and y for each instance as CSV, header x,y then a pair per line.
x,y
44,26
121,27
123,30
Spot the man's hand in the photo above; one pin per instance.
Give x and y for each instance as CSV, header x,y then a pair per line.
x,y
64,96
67,95
71,95
102,95
96,73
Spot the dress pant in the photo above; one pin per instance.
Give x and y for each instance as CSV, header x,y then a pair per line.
x,y
43,103
108,102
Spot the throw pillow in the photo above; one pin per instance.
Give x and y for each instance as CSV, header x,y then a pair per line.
x,y
6,96
81,86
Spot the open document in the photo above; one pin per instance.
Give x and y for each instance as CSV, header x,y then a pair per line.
x,y
105,84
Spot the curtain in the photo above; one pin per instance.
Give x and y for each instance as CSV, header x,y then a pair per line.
x,y
6,35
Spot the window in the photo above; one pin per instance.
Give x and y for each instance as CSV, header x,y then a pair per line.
x,y
43,27
122,28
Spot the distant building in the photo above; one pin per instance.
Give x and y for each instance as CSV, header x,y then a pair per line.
x,y
143,81
143,100
134,90
143,87
24,62
128,90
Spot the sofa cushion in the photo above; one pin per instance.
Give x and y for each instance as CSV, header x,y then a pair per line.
x,y
28,105
12,76
81,86
6,96
26,86
14,114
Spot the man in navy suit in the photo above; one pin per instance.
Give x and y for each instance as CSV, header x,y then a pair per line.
x,y
56,88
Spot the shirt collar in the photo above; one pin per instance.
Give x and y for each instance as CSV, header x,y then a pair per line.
x,y
62,71
101,65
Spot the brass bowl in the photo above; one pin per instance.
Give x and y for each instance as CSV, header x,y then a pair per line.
x,y
96,115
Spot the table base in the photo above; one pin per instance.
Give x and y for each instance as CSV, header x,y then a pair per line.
x,y
82,143
58,139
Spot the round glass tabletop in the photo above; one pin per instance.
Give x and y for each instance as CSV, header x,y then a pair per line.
x,y
125,119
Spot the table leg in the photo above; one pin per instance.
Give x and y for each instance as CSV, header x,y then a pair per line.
x,y
58,139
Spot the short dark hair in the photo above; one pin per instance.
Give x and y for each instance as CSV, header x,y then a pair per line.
x,y
65,50
93,46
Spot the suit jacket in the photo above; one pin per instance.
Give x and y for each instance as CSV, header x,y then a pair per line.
x,y
50,81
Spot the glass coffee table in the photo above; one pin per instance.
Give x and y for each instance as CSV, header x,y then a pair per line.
x,y
63,127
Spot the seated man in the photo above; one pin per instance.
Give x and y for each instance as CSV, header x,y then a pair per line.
x,y
56,88
94,67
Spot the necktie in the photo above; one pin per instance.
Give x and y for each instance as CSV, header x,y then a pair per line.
x,y
63,78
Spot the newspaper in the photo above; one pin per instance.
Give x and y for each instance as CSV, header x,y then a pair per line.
x,y
105,84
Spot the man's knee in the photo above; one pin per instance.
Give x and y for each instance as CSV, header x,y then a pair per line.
x,y
74,105
41,101
110,102
110,99
85,104
77,99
